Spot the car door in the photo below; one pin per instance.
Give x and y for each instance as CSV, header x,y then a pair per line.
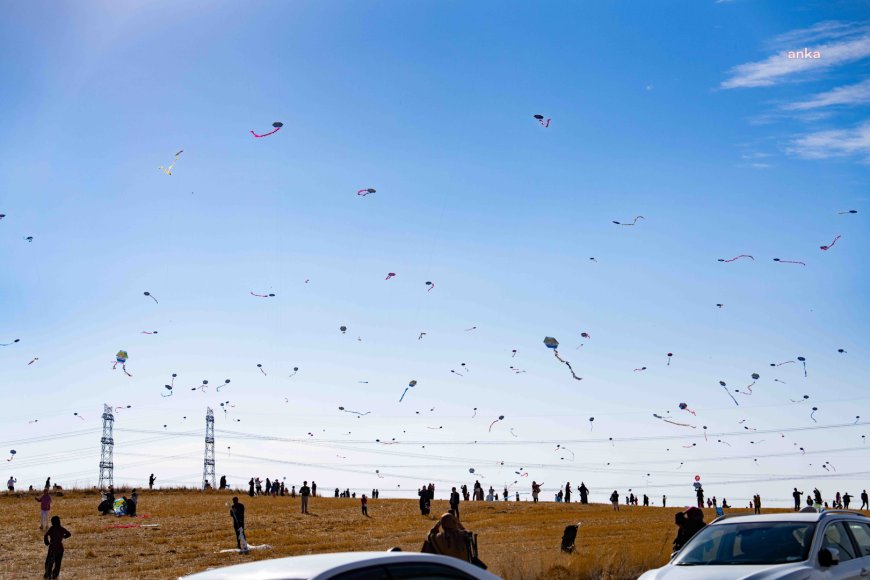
x,y
861,535
837,536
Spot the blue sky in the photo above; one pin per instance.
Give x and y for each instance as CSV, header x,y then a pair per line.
x,y
687,113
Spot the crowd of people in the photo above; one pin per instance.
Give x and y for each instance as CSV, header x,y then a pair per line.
x,y
447,537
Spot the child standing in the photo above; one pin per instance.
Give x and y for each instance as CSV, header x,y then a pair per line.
x,y
365,505
54,538
45,507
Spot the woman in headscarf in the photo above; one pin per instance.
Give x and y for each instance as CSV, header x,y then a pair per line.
x,y
448,538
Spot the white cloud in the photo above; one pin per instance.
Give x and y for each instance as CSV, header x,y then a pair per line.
x,y
847,95
778,67
827,31
834,143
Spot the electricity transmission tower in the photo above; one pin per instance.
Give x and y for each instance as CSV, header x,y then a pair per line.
x,y
208,461
108,444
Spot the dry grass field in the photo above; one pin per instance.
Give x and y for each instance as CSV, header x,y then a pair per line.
x,y
517,540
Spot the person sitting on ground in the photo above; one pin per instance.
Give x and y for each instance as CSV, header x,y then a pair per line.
x,y
448,538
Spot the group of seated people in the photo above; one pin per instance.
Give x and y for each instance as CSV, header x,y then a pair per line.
x,y
123,506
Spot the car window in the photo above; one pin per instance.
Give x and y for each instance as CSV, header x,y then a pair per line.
x,y
370,573
861,533
426,571
837,537
748,543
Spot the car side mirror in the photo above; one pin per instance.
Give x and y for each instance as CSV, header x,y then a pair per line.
x,y
829,557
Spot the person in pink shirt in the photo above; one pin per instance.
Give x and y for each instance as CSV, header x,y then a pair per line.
x,y
45,507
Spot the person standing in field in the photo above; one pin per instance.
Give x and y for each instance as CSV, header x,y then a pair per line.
x,y
645,500
237,512
465,495
365,505
864,498
536,490
584,493
151,480
568,492
699,494
304,492
757,503
54,538
10,485
313,488
45,508
797,498
454,502
665,501
614,499
847,499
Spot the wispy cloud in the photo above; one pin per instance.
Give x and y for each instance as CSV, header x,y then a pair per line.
x,y
849,95
841,43
854,142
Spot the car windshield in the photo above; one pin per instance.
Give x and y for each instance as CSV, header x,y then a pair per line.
x,y
744,544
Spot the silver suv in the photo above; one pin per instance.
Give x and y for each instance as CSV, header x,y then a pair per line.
x,y
831,545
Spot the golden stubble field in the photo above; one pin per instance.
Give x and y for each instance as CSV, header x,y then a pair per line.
x,y
518,540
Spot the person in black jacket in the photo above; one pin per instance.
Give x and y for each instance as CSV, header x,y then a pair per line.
x,y
237,512
54,538
584,493
568,492
454,503
797,499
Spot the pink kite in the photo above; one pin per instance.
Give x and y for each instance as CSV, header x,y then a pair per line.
x,y
737,258
276,124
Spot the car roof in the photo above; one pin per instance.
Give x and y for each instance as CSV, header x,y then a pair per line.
x,y
809,517
303,567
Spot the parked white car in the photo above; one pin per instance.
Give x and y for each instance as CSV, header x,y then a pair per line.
x,y
832,545
351,566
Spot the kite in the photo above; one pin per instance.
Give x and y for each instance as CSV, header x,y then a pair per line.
x,y
685,407
500,418
435,428
516,370
431,286
563,448
736,258
593,259
119,409
259,366
121,358
149,295
411,385
670,354
789,261
591,422
365,192
28,239
841,351
12,453
33,361
725,442
168,170
455,373
2,215
79,416
10,343
831,245
812,415
422,334
390,275
788,362
296,370
226,383
857,418
470,329
540,119
343,329
276,124
803,362
585,335
720,305
689,446
514,353
552,343
657,416
263,295
148,332
640,217
512,432
640,369
378,472
705,432
729,392
475,413
805,397
848,211
202,387
354,412
169,389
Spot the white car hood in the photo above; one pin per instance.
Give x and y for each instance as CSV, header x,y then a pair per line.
x,y
779,572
